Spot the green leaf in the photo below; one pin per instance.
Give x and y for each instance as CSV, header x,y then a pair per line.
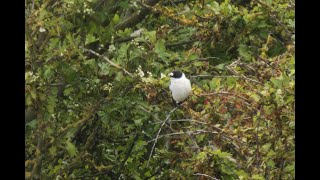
x,y
71,148
53,150
152,36
138,122
160,49
257,177
32,123
28,100
266,147
67,91
90,38
255,97
215,84
289,168
116,18
119,76
220,66
269,2
276,82
244,52
48,73
201,156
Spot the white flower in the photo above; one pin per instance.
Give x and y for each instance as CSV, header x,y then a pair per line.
x,y
108,87
162,76
111,48
140,72
41,29
137,33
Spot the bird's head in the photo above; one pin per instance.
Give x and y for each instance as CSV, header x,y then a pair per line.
x,y
175,74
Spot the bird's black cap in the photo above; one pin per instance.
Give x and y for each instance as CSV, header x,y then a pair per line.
x,y
176,74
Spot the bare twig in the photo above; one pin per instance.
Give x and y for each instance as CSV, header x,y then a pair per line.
x,y
229,67
214,76
258,142
199,174
127,155
224,93
214,127
159,121
157,137
108,60
200,131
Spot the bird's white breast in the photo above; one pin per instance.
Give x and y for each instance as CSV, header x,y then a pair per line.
x,y
180,88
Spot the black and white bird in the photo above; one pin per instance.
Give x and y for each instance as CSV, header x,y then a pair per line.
x,y
180,86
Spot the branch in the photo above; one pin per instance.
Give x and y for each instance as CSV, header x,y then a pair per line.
x,y
127,155
36,169
224,93
225,135
110,62
137,17
199,174
180,133
156,139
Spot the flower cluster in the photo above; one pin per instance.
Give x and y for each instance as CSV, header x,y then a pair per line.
x,y
87,10
30,77
108,87
111,48
140,72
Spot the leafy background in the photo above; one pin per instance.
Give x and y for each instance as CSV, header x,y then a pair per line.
x,y
97,99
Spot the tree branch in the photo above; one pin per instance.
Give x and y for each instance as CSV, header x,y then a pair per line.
x,y
224,93
199,174
138,16
108,60
127,155
156,139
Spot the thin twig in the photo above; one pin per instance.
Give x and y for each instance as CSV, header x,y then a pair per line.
x,y
224,93
180,133
159,121
258,142
199,174
156,139
127,155
214,127
110,62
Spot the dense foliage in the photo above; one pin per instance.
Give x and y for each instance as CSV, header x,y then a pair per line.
x,y
97,99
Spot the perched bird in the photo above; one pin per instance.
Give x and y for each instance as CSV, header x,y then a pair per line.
x,y
180,86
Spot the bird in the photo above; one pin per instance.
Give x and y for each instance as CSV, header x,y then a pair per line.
x,y
180,86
